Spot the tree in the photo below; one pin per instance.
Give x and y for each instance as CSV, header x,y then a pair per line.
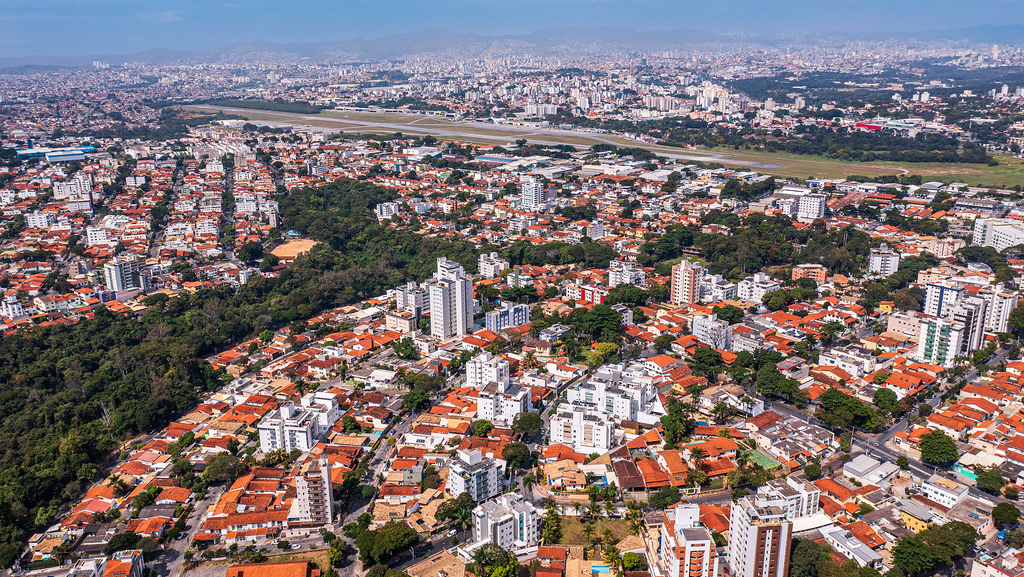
x,y
937,448
528,423
417,399
1004,513
990,480
804,560
665,497
458,511
923,410
122,542
517,455
633,562
481,428
222,468
663,342
379,546
551,530
494,561
812,471
902,462
404,348
249,252
912,555
885,399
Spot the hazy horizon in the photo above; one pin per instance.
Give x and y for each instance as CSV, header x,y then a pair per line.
x,y
74,28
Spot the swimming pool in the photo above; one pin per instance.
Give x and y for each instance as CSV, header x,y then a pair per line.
x,y
600,569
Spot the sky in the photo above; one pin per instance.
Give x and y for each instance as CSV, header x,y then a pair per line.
x,y
93,27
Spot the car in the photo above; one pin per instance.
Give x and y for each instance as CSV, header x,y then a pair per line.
x,y
296,546
452,533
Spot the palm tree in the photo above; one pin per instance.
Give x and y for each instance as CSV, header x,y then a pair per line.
x,y
609,508
698,456
529,480
588,532
577,507
612,558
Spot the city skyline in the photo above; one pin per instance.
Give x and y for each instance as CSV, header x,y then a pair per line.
x,y
59,27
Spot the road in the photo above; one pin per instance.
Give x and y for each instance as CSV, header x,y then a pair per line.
x,y
168,564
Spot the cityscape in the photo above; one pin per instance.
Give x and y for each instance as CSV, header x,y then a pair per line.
x,y
575,301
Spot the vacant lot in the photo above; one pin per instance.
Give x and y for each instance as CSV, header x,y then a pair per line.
x,y
572,530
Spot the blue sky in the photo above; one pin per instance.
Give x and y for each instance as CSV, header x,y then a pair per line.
x,y
76,27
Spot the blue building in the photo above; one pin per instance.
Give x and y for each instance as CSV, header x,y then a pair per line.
x,y
506,316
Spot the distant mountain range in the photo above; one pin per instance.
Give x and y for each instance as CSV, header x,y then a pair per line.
x,y
437,40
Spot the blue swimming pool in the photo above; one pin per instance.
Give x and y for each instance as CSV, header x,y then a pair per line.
x,y
600,569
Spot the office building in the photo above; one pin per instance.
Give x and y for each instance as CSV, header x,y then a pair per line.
x,y
475,474
491,265
940,341
313,505
506,316
509,521
687,548
451,301
685,283
883,261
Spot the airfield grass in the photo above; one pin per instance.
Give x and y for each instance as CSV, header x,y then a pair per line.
x,y
1008,173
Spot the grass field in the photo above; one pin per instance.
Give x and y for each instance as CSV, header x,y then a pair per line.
x,y
1009,173
572,530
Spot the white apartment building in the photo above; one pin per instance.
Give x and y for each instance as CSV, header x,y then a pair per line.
x,y
753,288
883,261
971,313
617,391
509,521
1001,303
499,403
313,505
411,297
534,196
386,210
486,368
582,428
810,207
625,272
324,408
940,298
288,428
714,288
712,332
491,265
451,301
121,275
686,547
475,474
1000,233
761,527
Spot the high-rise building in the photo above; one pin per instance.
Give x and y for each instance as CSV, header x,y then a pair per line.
x,y
712,332
313,504
486,368
451,301
810,207
475,474
1000,304
288,428
687,548
685,285
940,298
883,261
583,428
761,527
411,297
534,196
940,341
753,288
121,275
509,521
971,313
625,272
1000,233
491,265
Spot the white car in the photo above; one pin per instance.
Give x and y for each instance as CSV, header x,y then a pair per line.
x,y
452,533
